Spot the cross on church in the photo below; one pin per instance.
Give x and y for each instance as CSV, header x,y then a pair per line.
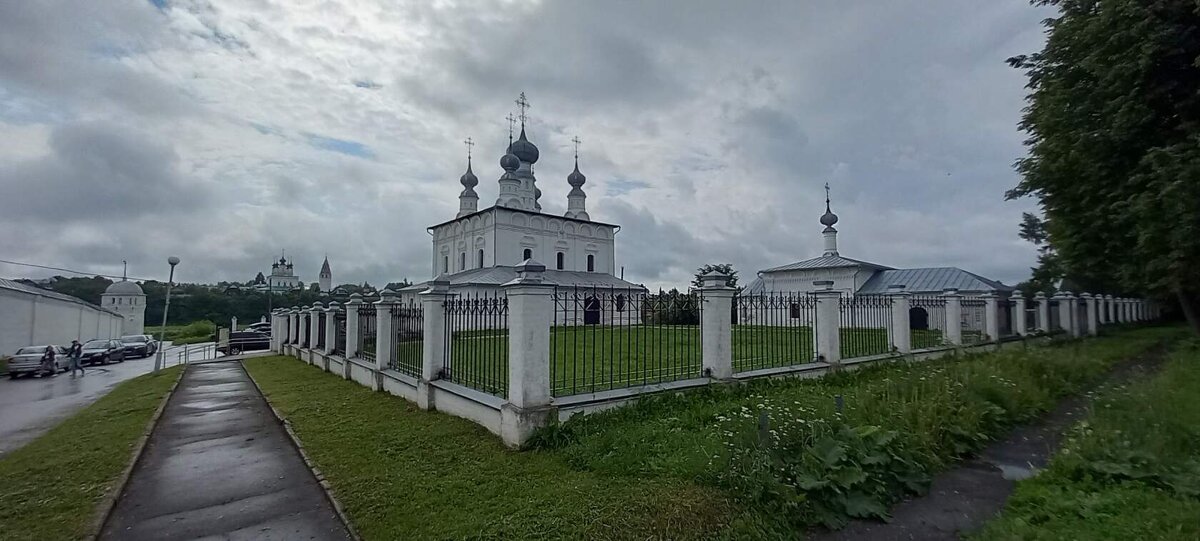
x,y
523,104
576,141
512,121
470,143
826,194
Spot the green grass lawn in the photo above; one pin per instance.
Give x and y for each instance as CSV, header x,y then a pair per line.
x,y
192,333
1130,471
49,489
407,474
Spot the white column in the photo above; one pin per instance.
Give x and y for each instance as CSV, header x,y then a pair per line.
x,y
352,325
1020,322
1121,317
1043,312
302,323
953,317
829,340
435,348
385,338
901,325
716,326
530,310
991,317
1093,325
331,322
1064,312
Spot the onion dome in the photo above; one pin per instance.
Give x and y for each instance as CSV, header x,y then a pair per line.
x,y
576,179
829,218
509,162
123,288
523,149
469,180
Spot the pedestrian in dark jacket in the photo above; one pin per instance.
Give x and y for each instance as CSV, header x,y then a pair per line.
x,y
48,368
74,353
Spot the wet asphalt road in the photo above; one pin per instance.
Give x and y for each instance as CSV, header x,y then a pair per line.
x,y
29,406
220,466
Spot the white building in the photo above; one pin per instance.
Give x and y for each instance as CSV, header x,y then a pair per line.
x,y
325,278
283,276
478,250
31,316
126,298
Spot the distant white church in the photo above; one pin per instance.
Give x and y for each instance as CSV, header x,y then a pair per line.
x,y
283,276
128,299
480,249
854,277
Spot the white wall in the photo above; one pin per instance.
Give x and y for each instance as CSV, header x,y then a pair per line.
x,y
504,234
29,319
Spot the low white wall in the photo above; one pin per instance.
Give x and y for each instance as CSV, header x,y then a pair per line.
x,y
28,319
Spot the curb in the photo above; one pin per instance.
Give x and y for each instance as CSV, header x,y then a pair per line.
x,y
325,486
110,499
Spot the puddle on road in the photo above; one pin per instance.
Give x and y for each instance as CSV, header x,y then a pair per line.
x,y
1015,472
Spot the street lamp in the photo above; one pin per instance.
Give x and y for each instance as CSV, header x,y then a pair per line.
x,y
162,331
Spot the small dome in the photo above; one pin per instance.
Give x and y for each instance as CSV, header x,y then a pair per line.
x,y
537,193
469,179
829,218
509,162
124,287
523,149
576,179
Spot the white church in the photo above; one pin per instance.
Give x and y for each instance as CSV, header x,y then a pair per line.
x,y
479,250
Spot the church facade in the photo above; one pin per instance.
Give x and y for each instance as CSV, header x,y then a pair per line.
x,y
283,276
479,249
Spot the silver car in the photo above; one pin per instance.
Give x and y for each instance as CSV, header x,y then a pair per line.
x,y
28,360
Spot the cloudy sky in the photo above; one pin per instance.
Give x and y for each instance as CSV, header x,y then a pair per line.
x,y
223,131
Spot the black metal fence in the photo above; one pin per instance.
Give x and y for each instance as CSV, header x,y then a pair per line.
x,y
865,325
927,321
605,338
367,335
339,333
476,346
974,318
306,337
321,330
408,326
773,330
1056,323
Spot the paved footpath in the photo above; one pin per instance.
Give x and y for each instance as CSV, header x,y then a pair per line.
x,y
220,466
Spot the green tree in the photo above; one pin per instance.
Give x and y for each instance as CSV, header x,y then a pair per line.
x,y
723,268
1114,145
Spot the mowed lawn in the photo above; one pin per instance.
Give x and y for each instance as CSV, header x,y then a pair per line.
x,y
407,474
593,358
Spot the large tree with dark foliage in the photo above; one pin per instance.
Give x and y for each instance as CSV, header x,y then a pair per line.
x,y
1114,145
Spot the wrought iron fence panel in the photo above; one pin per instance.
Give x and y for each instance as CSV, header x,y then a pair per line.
x,y
927,321
321,330
408,324
773,330
1056,323
307,336
367,332
607,338
865,325
339,333
477,342
974,316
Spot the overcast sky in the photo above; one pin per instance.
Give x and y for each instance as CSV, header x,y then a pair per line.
x,y
223,131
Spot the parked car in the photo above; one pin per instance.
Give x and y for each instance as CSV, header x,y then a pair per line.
x,y
139,345
28,360
240,341
262,326
102,351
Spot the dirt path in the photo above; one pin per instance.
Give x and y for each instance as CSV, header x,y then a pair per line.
x,y
964,498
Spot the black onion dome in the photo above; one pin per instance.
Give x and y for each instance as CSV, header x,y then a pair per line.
x,y
469,179
576,179
829,218
510,162
523,149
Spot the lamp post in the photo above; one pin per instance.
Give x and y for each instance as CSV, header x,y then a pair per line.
x,y
162,331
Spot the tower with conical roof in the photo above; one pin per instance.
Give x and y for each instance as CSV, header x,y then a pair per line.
x,y
325,278
829,219
576,199
468,200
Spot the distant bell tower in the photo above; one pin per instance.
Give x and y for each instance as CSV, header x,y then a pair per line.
x,y
325,279
127,299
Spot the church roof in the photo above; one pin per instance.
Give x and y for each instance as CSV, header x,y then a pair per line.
x,y
494,276
124,287
825,262
325,267
931,280
530,212
32,290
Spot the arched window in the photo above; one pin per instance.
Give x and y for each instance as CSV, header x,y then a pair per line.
x,y
561,260
620,303
527,254
481,258
591,263
462,261
445,263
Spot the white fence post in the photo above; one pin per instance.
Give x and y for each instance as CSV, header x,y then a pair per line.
x,y
385,337
1092,323
901,323
352,330
716,326
1020,318
434,341
314,330
302,322
991,317
829,340
1065,319
530,310
953,317
1043,312
331,326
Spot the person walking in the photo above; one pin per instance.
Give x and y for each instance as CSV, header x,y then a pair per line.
x,y
48,368
74,353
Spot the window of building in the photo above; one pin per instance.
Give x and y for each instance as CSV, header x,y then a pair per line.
x,y
591,263
445,263
481,258
562,258
620,303
527,254
794,310
462,261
